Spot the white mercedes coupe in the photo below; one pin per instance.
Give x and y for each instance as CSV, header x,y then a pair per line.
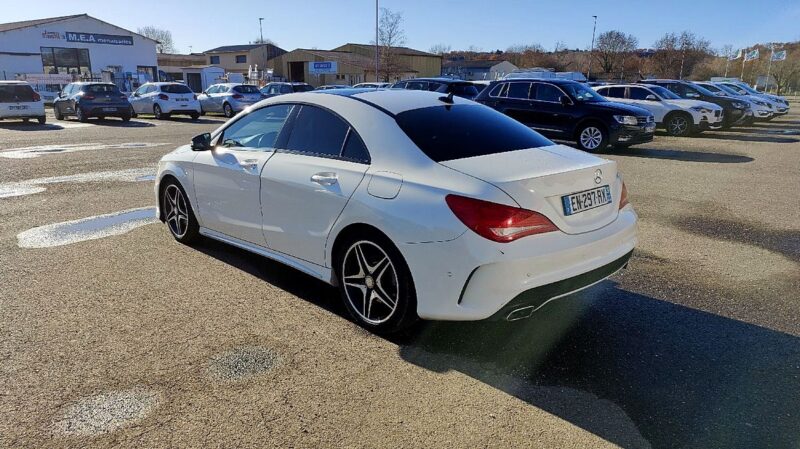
x,y
416,205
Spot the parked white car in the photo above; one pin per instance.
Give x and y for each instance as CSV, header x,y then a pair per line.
x,y
18,100
781,101
229,98
164,100
778,105
372,86
679,116
761,108
415,204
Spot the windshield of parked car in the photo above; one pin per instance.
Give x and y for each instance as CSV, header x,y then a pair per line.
x,y
302,88
464,90
727,90
175,89
247,89
101,89
582,93
10,93
664,93
748,88
735,88
699,89
715,89
459,131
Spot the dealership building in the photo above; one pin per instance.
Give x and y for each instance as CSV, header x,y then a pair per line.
x,y
79,47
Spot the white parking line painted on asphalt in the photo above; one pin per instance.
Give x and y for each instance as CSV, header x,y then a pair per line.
x,y
43,150
90,228
31,186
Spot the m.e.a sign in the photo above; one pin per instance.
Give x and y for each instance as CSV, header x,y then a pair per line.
x,y
93,38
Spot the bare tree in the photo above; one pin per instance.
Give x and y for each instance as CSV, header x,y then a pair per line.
x,y
390,36
612,47
677,55
164,38
439,49
265,40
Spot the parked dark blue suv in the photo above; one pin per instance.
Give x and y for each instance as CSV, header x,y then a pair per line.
x,y
84,100
569,110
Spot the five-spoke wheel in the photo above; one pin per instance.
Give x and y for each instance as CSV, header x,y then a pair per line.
x,y
177,213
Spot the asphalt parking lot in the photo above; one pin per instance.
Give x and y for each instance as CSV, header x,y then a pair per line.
x,y
130,339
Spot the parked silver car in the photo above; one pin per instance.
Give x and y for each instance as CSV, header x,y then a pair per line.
x,y
229,98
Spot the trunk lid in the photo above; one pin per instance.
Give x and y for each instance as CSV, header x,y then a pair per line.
x,y
538,178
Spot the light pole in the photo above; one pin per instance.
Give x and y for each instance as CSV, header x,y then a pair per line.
x,y
260,29
377,47
261,35
591,52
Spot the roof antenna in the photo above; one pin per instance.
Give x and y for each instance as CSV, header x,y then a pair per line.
x,y
448,99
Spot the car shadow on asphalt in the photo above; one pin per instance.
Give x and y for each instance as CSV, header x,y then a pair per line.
x,y
199,121
32,126
675,155
686,378
748,138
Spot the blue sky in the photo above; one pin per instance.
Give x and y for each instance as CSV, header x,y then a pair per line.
x,y
485,24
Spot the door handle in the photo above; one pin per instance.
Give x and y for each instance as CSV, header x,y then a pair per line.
x,y
249,164
325,178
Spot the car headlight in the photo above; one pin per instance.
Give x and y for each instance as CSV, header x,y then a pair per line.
x,y
739,105
760,103
626,119
702,109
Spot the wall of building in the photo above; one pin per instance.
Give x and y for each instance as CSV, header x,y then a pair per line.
x,y
422,65
101,56
348,74
227,60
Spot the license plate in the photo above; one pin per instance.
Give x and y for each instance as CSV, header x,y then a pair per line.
x,y
110,109
184,105
17,108
182,99
588,199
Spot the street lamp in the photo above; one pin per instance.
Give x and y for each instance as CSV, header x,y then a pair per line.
x,y
261,35
591,52
376,43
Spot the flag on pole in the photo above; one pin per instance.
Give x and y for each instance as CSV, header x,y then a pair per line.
x,y
753,54
779,55
733,57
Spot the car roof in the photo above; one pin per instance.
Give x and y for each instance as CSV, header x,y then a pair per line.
x,y
437,79
560,81
392,101
13,82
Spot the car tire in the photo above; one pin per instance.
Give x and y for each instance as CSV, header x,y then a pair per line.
x,y
177,213
228,110
26,120
42,120
80,115
57,113
375,283
194,115
592,137
126,118
679,124
159,114
132,112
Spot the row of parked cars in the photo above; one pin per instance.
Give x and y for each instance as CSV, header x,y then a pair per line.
x,y
594,117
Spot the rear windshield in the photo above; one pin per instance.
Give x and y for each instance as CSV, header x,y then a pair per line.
x,y
445,133
302,88
12,93
464,90
101,89
246,89
175,89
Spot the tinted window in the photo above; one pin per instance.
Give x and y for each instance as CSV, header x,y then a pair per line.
x,y
15,92
175,89
637,93
445,133
495,92
464,90
582,93
417,85
101,89
518,90
303,88
286,89
547,92
400,85
245,89
317,131
614,92
258,129
354,148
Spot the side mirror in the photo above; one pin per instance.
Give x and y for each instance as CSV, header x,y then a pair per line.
x,y
565,100
201,142
61,94
136,94
651,97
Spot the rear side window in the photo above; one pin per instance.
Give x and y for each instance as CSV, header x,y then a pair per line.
x,y
354,148
286,89
175,89
497,90
547,92
12,93
258,129
464,90
303,88
101,89
519,91
317,131
460,131
637,93
615,92
247,89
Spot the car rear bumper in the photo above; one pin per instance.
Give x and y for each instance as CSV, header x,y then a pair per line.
x,y
33,110
471,278
191,107
106,110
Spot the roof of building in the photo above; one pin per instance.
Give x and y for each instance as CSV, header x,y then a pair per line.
x,y
473,64
399,50
235,48
10,26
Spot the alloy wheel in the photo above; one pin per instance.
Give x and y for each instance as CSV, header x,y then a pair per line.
x,y
678,126
157,111
176,213
228,110
370,282
591,137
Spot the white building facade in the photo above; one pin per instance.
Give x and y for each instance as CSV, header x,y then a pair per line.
x,y
80,46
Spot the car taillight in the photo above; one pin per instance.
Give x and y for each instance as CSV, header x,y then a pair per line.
x,y
87,97
623,198
163,97
238,96
123,97
36,97
498,222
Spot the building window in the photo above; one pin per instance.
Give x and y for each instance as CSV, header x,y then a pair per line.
x,y
213,60
241,59
65,60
